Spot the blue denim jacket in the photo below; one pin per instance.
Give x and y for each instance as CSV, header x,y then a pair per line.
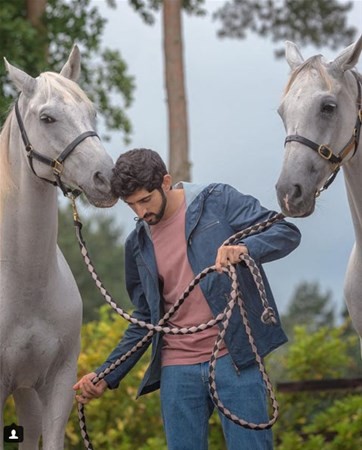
x,y
213,214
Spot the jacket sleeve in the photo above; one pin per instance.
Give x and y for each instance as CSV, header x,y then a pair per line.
x,y
134,333
275,242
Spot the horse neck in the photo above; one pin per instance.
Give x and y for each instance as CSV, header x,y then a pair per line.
x,y
29,220
353,180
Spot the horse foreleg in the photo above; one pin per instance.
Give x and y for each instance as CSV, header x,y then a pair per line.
x,y
57,402
353,290
3,397
28,409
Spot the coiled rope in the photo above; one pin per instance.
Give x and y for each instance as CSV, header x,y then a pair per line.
x,y
267,317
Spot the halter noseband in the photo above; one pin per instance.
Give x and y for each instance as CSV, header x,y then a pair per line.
x,y
325,152
55,164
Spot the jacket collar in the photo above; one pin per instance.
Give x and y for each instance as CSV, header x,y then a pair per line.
x,y
191,190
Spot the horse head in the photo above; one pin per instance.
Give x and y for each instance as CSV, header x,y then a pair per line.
x,y
56,121
321,111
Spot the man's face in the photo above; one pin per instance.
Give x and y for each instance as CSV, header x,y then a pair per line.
x,y
149,206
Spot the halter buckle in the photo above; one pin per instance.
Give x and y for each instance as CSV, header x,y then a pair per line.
x,y
325,152
57,167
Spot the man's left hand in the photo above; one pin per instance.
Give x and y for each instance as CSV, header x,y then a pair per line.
x,y
229,254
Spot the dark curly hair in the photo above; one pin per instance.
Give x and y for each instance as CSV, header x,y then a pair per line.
x,y
136,169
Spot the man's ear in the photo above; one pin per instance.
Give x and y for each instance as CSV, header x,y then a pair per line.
x,y
167,182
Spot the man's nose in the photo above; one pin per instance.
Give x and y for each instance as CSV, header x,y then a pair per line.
x,y
140,211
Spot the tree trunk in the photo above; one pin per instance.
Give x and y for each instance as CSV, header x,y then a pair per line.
x,y
179,165
35,10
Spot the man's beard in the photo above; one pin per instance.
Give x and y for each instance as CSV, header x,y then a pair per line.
x,y
157,216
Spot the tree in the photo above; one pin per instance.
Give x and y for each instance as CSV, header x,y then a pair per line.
x,y
54,26
102,237
175,89
179,163
309,307
316,22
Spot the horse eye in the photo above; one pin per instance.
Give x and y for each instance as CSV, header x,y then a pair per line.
x,y
328,108
47,119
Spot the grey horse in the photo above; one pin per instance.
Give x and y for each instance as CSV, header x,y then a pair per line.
x,y
322,114
40,305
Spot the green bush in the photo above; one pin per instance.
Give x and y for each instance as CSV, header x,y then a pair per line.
x,y
329,420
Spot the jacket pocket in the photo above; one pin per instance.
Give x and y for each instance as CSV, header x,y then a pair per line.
x,y
204,228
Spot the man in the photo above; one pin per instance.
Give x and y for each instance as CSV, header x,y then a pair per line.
x,y
179,232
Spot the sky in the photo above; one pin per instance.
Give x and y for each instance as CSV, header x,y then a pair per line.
x,y
233,90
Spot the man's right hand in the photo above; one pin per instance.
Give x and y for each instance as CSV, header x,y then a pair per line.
x,y
88,390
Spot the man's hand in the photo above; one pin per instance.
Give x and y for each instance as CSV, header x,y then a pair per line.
x,y
89,390
229,254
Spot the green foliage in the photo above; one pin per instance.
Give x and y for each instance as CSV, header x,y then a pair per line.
x,y
311,420
318,355
343,421
320,23
334,427
102,237
65,22
20,44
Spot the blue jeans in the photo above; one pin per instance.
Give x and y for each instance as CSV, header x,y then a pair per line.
x,y
187,405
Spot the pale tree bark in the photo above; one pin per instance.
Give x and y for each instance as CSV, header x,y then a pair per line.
x,y
179,165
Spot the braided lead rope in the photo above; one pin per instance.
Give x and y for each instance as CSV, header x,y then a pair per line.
x,y
152,331
158,328
253,229
212,366
267,317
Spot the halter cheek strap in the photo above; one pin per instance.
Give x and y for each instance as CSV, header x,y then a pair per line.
x,y
325,152
56,164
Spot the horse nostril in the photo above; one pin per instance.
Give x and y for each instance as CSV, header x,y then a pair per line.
x,y
100,179
297,191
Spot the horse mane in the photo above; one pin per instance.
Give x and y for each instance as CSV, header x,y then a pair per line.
x,y
6,181
314,62
63,86
49,82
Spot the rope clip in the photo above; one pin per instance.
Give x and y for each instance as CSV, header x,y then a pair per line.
x,y
72,198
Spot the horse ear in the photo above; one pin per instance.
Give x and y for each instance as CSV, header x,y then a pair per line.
x,y
293,55
22,81
71,68
348,58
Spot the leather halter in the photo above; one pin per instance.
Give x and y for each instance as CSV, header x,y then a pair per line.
x,y
324,150
56,164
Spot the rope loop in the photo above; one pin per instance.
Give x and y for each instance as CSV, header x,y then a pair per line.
x,y
268,316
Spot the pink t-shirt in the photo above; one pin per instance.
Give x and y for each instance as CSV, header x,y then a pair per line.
x,y
176,274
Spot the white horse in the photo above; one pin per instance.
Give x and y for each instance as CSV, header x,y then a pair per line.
x,y
322,114
40,305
